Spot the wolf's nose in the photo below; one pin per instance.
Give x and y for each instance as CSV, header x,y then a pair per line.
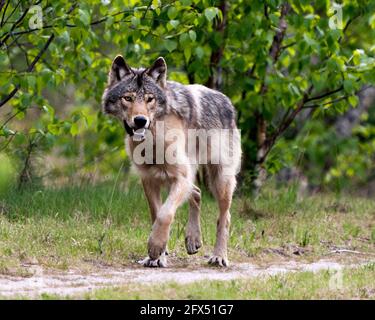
x,y
140,121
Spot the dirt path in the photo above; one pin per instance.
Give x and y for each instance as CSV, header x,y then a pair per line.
x,y
74,282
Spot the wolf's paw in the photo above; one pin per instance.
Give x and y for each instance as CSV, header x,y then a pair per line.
x,y
156,248
218,261
192,244
155,251
161,262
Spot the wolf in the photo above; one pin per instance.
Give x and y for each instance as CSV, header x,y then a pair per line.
x,y
141,98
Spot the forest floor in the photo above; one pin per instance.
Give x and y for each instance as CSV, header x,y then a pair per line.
x,y
85,241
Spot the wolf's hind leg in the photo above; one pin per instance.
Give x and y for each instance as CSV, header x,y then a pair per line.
x,y
222,187
193,240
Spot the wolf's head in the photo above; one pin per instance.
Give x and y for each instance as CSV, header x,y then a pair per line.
x,y
135,96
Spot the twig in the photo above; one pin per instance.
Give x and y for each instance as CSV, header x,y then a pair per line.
x,y
269,142
312,106
15,25
29,69
25,173
2,2
351,251
279,36
214,80
5,10
6,20
317,105
8,142
148,8
10,118
288,45
323,95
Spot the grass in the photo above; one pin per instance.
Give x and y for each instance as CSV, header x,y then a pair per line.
x,y
85,226
109,224
356,283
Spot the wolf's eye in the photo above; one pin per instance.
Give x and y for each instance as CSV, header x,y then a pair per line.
x,y
149,99
128,98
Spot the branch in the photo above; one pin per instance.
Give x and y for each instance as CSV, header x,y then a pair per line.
x,y
317,105
148,8
2,19
8,142
25,175
10,32
2,2
29,69
15,25
114,15
10,118
217,54
287,120
274,52
312,106
348,23
41,52
275,49
321,96
288,117
288,45
5,10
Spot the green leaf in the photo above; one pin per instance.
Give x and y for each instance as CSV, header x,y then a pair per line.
x,y
353,100
170,45
155,4
349,86
210,13
184,39
74,129
172,13
187,53
31,81
186,2
135,21
65,37
53,128
192,35
84,17
199,51
174,23
371,21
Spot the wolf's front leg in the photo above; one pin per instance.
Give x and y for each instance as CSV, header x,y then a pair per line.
x,y
152,192
180,190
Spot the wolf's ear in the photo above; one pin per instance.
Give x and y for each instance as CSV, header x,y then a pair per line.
x,y
118,70
158,71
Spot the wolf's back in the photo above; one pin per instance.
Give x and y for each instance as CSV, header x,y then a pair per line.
x,y
200,106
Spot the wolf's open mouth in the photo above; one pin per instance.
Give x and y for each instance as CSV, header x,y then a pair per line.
x,y
139,135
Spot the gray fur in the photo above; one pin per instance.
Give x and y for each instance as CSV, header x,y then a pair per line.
x,y
211,110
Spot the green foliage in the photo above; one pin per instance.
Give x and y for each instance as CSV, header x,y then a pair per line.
x,y
7,173
57,104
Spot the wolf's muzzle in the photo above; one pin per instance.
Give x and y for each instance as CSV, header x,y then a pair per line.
x,y
140,122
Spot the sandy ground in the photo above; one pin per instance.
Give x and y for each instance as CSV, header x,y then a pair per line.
x,y
75,282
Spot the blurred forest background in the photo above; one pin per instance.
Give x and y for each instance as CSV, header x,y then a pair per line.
x,y
300,74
